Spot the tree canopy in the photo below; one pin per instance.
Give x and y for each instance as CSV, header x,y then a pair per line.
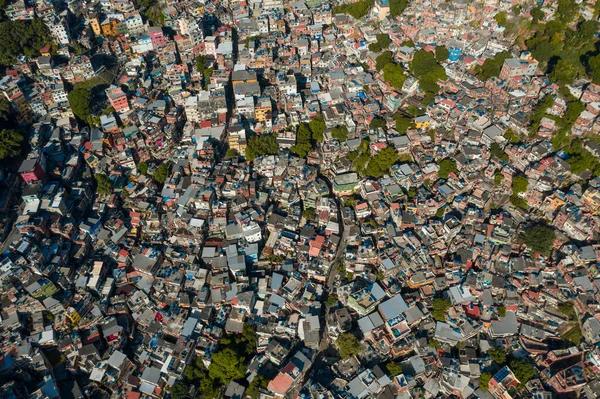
x,y
501,18
232,152
142,167
519,185
331,300
565,51
11,143
498,355
357,9
204,69
441,53
348,344
581,159
317,128
394,368
425,68
447,166
259,382
381,162
492,66
377,123
162,172
104,185
80,101
226,365
539,238
265,144
340,133
394,75
383,59
304,141
397,7
484,380
440,305
403,123
383,42
22,38
497,152
523,370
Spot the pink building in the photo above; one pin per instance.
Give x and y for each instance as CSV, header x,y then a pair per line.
x,y
156,36
117,99
31,171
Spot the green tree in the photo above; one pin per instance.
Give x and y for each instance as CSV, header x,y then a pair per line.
x,y
501,18
498,355
357,9
435,344
303,141
537,14
403,123
502,311
397,7
340,133
384,40
381,162
11,143
539,112
491,67
497,152
440,305
352,155
523,370
539,238
248,340
104,185
232,152
394,368
80,101
564,72
179,390
581,159
428,71
512,137
207,386
394,75
348,345
360,163
259,382
308,214
447,166
593,66
204,69
441,53
377,123
331,300
383,59
142,167
162,172
519,184
265,144
317,128
22,38
226,366
152,10
498,177
484,380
